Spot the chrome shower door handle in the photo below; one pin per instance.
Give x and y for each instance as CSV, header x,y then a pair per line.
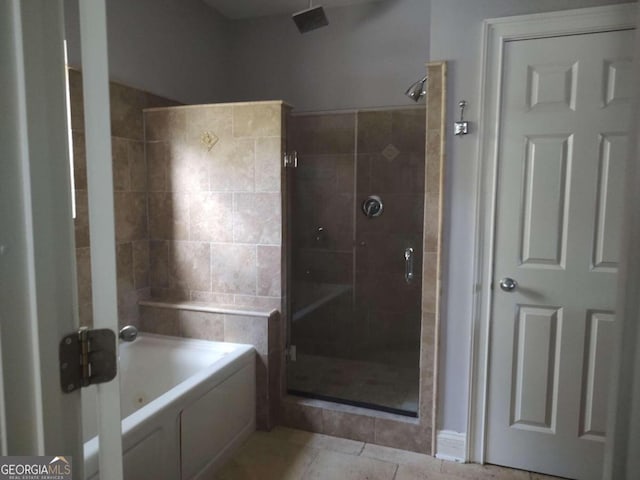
x,y
408,262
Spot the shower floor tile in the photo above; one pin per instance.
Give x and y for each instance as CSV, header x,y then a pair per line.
x,y
391,386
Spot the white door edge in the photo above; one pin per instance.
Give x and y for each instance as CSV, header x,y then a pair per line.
x,y
621,459
496,32
97,120
37,262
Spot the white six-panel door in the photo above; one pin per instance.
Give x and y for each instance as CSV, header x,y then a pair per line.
x,y
562,148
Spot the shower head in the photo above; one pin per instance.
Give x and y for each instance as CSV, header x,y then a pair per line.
x,y
310,18
417,90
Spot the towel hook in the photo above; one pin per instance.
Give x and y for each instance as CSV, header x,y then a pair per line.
x,y
461,127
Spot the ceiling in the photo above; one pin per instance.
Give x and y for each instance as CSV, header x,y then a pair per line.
x,y
241,9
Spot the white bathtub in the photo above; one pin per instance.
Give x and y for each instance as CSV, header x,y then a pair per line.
x,y
186,405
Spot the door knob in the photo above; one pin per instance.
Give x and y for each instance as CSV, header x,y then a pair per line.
x,y
508,284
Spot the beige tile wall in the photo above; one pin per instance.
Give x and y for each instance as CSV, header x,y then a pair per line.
x,y
216,229
130,196
215,210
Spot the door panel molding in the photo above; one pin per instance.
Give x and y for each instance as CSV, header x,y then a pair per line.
x,y
536,327
541,211
599,343
496,33
609,198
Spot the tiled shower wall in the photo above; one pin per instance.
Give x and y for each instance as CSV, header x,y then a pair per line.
x,y
130,196
215,203
343,158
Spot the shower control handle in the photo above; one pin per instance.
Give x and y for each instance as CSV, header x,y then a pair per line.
x,y
408,261
372,206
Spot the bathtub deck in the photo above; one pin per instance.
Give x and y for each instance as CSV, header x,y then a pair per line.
x,y
286,454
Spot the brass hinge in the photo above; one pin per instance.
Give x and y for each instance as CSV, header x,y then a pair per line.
x,y
87,357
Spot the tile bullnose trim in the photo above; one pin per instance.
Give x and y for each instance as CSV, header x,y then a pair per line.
x,y
451,446
223,104
209,308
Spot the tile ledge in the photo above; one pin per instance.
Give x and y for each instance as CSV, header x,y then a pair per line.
x,y
208,307
341,408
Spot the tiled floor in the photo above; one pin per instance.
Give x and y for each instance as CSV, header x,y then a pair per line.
x,y
285,454
379,383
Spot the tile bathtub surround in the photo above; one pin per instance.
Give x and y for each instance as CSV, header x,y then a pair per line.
x,y
374,132
201,321
130,196
215,203
287,454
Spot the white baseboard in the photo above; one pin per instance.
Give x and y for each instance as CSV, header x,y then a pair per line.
x,y
451,446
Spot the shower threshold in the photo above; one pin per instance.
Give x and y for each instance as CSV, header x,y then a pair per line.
x,y
354,403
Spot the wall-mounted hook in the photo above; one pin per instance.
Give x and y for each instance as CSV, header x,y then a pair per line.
x,y
461,127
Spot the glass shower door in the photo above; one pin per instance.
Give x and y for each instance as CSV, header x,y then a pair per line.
x,y
357,209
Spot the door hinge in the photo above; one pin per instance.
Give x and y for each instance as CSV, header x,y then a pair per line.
x,y
291,353
87,357
291,160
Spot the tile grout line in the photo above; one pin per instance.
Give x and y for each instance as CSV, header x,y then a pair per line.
x,y
315,456
395,472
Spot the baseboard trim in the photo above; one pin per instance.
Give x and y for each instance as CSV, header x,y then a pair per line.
x,y
451,446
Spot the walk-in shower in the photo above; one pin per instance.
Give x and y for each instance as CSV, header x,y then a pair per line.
x,y
356,203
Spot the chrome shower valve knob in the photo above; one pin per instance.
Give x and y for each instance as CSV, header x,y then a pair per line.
x,y
372,206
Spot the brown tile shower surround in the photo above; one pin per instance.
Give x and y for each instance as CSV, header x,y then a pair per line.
x,y
363,343
130,196
353,422
343,158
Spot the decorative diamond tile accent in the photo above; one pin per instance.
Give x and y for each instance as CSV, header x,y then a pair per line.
x,y
390,152
208,139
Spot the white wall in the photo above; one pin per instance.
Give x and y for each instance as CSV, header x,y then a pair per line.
x,y
179,49
456,37
367,56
